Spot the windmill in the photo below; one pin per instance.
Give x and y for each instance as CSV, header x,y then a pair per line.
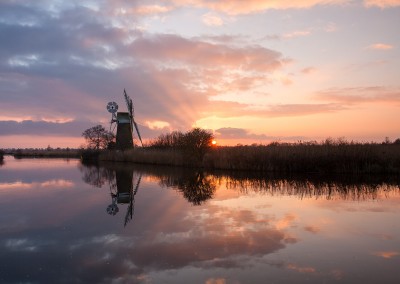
x,y
126,124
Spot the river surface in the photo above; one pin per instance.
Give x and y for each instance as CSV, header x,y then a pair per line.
x,y
63,222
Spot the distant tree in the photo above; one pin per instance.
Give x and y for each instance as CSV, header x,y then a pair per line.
x,y
194,143
173,139
97,137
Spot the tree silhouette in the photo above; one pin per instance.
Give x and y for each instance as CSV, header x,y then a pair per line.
x,y
97,137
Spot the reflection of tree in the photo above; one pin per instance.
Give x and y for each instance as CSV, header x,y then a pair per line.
x,y
95,175
196,187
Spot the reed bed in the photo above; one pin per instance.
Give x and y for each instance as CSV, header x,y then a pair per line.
x,y
275,158
346,158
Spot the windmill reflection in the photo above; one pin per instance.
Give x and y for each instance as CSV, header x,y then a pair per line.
x,y
123,184
123,191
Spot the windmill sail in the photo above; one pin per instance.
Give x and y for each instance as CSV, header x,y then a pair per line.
x,y
138,133
129,105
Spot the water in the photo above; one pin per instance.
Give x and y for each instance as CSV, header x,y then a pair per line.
x,y
62,222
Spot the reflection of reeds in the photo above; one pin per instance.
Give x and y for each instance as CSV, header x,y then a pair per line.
x,y
278,158
197,186
312,189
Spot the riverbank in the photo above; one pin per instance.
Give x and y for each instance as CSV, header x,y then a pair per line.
x,y
282,158
45,153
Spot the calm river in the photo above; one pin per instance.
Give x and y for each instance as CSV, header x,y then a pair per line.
x,y
62,222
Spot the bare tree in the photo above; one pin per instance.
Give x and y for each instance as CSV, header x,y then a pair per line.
x,y
97,137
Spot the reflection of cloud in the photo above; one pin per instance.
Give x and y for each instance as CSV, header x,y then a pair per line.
x,y
57,183
15,185
312,229
337,274
286,221
386,254
220,236
20,245
301,269
216,281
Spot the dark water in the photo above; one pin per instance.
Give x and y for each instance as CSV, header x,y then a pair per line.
x,y
62,222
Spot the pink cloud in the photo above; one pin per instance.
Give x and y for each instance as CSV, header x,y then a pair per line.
x,y
237,7
382,3
169,49
152,9
212,20
387,254
297,34
376,94
301,269
308,70
380,46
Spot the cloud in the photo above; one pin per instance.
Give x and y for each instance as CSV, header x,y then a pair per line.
x,y
210,19
81,59
238,7
169,49
234,133
152,9
387,254
244,134
308,70
29,127
360,95
380,46
382,3
296,34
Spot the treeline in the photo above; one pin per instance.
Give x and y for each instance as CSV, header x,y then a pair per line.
x,y
175,148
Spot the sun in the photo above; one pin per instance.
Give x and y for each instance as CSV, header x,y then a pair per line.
x,y
214,142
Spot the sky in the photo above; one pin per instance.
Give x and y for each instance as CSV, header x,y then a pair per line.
x,y
249,71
